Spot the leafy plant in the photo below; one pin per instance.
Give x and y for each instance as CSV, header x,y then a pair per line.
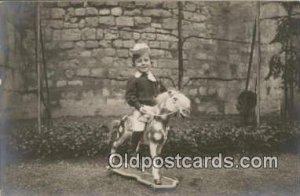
x,y
285,63
86,140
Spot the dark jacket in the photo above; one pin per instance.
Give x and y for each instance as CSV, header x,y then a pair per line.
x,y
142,91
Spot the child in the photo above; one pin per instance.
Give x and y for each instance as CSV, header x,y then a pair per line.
x,y
141,91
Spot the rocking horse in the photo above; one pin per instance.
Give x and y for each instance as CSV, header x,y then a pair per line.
x,y
156,132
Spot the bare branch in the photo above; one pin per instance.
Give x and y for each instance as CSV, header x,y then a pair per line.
x,y
169,78
214,78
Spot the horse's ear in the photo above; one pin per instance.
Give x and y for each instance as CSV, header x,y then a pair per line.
x,y
171,92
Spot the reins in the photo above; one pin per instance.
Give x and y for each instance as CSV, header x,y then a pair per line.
x,y
160,115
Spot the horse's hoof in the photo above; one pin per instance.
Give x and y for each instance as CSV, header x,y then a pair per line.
x,y
157,181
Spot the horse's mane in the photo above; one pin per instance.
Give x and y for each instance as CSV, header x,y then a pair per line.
x,y
162,97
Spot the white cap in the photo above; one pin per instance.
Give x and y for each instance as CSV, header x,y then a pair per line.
x,y
140,48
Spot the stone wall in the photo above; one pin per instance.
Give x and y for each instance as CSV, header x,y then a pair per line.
x,y
15,101
87,48
90,49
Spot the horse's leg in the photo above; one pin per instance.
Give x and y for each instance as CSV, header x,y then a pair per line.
x,y
120,140
155,171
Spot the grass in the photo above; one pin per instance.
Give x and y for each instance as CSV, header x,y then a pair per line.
x,y
89,177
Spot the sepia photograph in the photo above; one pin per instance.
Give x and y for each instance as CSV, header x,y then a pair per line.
x,y
144,97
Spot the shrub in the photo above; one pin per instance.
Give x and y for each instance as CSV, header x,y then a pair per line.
x,y
82,139
69,140
230,138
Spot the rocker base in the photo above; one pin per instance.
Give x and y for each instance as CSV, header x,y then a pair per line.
x,y
146,178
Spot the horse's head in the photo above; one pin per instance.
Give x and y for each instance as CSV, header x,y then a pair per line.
x,y
175,101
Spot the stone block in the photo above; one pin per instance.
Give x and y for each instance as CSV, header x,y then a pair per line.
x,y
98,52
126,35
91,44
128,43
71,34
194,17
150,30
69,95
135,12
105,43
63,4
111,35
201,56
169,55
91,21
56,35
96,3
66,45
77,3
70,11
105,92
122,53
55,24
118,43
211,90
190,6
79,11
91,11
83,72
167,63
90,62
74,20
68,25
170,23
156,25
89,34
75,83
116,11
124,21
157,13
148,36
136,36
61,83
193,92
142,20
107,20
80,44
111,3
170,4
163,37
69,73
157,53
81,23
57,13
100,33
164,45
109,51
86,54
104,12
203,91
98,72
154,44
107,61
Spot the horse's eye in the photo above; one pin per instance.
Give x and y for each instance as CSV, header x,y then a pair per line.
x,y
175,98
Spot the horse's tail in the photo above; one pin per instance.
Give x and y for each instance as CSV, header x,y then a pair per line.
x,y
113,130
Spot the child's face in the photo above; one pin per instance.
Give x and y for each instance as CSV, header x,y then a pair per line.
x,y
143,63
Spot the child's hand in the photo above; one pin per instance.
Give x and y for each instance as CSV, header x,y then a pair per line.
x,y
143,109
146,109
